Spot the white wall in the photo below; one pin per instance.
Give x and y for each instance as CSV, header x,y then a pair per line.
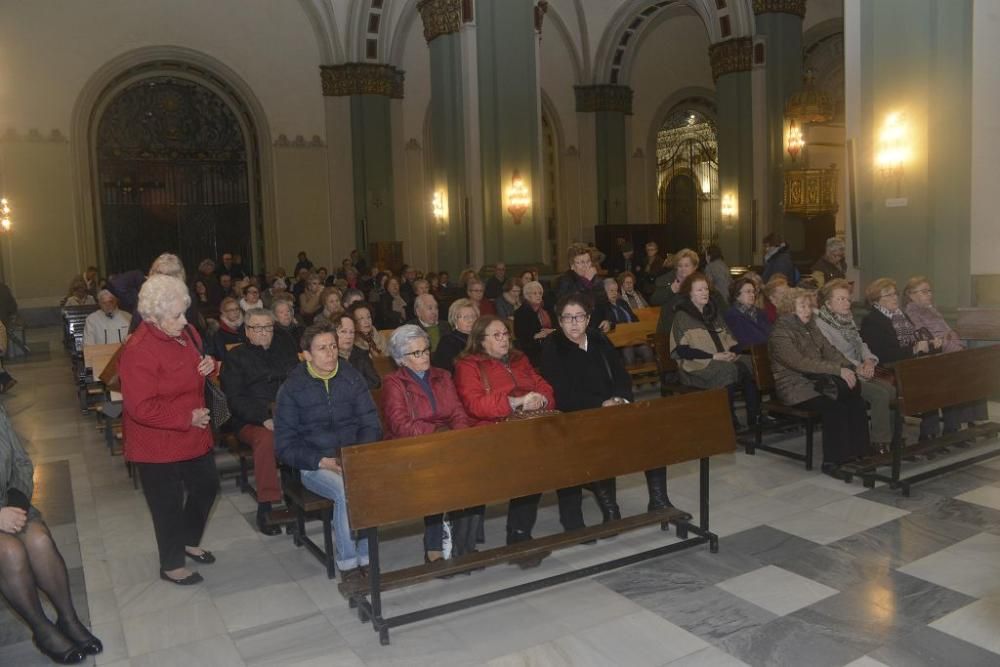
x,y
985,137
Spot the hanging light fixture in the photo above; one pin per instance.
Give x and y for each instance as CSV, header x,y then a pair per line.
x,y
809,105
794,143
518,198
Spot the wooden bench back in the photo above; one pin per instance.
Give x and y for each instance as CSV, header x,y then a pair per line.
x,y
661,347
396,480
943,380
762,374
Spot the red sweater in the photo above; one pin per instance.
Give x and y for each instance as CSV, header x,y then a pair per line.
x,y
517,380
161,386
407,410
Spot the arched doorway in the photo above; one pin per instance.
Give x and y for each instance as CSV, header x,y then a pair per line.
x,y
173,174
687,176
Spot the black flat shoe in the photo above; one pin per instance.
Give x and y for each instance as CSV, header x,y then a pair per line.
x,y
190,580
72,656
206,557
92,647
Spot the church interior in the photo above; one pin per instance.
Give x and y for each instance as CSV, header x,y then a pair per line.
x,y
460,135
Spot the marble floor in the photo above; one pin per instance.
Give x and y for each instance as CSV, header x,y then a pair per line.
x,y
810,571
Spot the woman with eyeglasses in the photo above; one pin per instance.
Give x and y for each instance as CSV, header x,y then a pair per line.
x,y
462,314
706,352
495,381
585,371
418,399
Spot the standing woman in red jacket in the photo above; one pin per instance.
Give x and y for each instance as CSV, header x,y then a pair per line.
x,y
418,399
166,425
495,381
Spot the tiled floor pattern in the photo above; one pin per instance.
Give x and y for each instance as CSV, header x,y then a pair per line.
x,y
810,571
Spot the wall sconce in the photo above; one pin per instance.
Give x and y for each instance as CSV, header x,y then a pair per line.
x,y
5,222
794,142
518,198
439,209
728,209
892,149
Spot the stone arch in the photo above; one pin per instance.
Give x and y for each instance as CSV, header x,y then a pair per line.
x,y
114,76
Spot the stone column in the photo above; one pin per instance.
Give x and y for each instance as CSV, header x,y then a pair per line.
x,y
731,63
609,103
368,89
454,130
779,22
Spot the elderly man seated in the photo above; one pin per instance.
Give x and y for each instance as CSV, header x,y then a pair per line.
x,y
322,407
251,376
426,317
107,325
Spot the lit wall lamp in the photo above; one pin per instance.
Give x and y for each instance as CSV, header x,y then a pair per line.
x,y
794,143
728,209
439,209
5,222
518,198
892,150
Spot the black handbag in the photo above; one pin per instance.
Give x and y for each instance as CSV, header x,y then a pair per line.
x,y
215,399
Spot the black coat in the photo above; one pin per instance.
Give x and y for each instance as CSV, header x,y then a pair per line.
x,y
362,363
781,262
385,316
251,377
526,325
584,379
448,349
877,331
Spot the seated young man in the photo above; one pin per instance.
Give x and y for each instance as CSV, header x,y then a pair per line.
x,y
323,406
251,376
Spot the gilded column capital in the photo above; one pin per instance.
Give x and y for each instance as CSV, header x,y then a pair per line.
x,y
796,7
732,55
362,79
604,97
440,17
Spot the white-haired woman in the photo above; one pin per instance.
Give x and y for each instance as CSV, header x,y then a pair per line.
x,y
418,399
533,322
166,424
462,314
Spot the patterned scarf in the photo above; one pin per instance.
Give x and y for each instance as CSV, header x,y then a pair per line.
x,y
752,312
848,330
906,334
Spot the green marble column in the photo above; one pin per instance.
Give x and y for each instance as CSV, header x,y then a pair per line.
x,y
370,88
443,20
731,63
916,61
780,23
509,127
610,104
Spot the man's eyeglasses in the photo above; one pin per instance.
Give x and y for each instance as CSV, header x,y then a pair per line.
x,y
262,329
417,354
575,319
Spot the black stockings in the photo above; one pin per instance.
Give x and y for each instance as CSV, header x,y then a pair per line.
x,y
30,561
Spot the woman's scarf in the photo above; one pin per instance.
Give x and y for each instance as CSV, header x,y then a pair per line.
x,y
906,334
845,326
751,312
543,315
399,305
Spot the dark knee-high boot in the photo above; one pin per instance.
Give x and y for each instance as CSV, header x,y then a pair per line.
x,y
656,483
605,492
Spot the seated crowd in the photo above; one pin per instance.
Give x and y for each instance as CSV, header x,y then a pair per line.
x,y
511,349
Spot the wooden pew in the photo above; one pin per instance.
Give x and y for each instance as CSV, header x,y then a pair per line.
x,y
928,384
398,480
667,368
772,406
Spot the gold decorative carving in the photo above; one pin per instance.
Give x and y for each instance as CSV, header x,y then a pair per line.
x,y
732,55
604,97
362,79
796,7
440,17
810,192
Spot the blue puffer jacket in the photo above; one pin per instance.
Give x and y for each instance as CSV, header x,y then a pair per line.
x,y
311,424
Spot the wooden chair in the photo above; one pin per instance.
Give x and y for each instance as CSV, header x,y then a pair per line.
x,y
667,368
398,480
307,506
771,406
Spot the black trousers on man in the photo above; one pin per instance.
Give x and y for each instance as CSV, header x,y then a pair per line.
x,y
522,513
180,496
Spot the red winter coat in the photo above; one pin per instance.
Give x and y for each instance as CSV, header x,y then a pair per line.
x,y
406,409
161,385
491,405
